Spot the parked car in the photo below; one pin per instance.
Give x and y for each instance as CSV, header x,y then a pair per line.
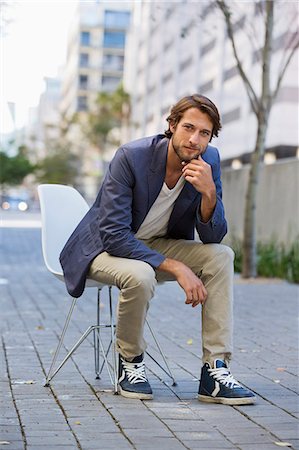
x,y
14,203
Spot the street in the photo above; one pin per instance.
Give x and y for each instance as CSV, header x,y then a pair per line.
x,y
79,412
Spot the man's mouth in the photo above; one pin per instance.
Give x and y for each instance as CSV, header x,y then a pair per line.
x,y
194,149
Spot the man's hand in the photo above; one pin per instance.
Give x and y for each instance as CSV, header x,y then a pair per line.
x,y
199,174
194,289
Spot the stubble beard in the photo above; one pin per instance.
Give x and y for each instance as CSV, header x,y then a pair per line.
x,y
182,156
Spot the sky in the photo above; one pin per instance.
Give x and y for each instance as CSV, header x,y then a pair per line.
x,y
34,46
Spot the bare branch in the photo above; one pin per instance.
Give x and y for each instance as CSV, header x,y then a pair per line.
x,y
251,93
284,68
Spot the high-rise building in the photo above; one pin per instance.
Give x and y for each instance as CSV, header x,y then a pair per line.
x,y
95,63
181,47
95,57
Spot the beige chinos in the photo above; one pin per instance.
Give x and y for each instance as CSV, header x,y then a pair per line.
x,y
213,263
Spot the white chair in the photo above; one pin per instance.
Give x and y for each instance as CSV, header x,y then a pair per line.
x,y
62,208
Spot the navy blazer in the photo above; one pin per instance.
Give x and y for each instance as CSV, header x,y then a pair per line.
x,y
131,185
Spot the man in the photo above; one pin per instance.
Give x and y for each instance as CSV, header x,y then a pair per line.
x,y
141,229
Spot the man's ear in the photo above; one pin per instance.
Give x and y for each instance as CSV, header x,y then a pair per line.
x,y
172,127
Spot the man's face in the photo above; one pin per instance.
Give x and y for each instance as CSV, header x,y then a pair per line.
x,y
191,135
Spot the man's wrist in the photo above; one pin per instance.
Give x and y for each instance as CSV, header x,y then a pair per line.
x,y
208,204
171,266
210,197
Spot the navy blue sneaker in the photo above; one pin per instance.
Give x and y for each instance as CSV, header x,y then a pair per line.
x,y
132,380
217,385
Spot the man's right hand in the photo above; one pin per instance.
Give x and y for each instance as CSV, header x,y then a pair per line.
x,y
194,288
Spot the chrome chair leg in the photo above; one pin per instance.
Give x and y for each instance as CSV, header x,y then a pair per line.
x,y
99,348
112,341
50,375
168,371
97,343
96,337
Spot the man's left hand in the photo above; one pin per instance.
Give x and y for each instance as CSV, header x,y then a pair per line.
x,y
199,174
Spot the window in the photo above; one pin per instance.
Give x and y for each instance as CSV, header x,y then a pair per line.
x,y
239,24
113,62
206,11
185,64
85,38
84,59
109,83
82,103
117,19
230,73
207,86
231,116
207,47
114,39
167,45
83,81
168,76
165,110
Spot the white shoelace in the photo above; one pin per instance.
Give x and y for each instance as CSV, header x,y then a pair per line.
x,y
223,376
135,371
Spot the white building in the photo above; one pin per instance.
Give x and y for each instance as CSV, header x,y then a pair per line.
x,y
95,63
95,56
178,48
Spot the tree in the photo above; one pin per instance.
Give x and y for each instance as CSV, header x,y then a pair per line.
x,y
15,168
59,166
111,110
261,103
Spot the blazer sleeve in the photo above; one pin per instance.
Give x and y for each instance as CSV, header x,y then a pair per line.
x,y
116,224
215,229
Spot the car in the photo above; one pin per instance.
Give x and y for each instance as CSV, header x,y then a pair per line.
x,y
14,203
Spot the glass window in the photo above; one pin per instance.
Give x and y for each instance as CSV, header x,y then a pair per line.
x,y
117,19
85,38
83,81
84,59
82,103
113,62
114,39
109,83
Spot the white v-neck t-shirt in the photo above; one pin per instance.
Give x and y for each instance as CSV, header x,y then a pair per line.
x,y
156,221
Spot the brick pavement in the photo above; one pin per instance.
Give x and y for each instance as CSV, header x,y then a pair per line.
x,y
79,412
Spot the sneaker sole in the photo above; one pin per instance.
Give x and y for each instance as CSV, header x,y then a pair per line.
x,y
227,401
137,395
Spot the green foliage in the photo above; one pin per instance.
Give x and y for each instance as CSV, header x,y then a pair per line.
x,y
60,166
109,112
13,169
236,245
273,259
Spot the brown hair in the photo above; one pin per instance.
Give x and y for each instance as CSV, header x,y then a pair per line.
x,y
200,102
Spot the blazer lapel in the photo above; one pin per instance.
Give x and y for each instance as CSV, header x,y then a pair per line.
x,y
157,171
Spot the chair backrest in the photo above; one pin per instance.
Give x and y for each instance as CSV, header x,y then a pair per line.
x,y
62,208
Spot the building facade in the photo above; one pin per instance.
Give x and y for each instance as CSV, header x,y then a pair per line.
x,y
181,47
95,63
95,57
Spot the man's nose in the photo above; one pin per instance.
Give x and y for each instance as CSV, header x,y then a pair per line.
x,y
194,139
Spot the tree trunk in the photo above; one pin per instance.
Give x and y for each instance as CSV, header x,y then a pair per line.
x,y
249,262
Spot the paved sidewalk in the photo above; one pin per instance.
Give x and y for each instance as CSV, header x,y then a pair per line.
x,y
79,412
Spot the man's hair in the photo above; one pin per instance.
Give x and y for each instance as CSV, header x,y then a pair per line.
x,y
198,101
